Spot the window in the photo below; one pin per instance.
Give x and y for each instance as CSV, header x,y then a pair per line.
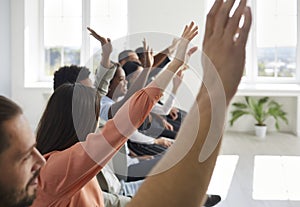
x,y
65,40
62,33
276,32
272,45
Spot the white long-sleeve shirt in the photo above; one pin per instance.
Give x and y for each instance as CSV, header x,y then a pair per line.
x,y
166,107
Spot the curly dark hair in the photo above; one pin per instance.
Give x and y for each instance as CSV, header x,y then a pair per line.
x,y
70,74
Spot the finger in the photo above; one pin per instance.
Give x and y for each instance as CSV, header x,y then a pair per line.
x,y
175,116
210,18
234,21
192,50
184,31
191,26
194,30
192,36
222,17
88,28
91,31
244,31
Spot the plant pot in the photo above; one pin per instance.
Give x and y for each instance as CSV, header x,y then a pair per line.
x,y
260,131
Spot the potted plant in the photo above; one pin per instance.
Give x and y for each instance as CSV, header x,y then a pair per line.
x,y
260,110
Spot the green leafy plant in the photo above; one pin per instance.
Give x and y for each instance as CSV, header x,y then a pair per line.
x,y
260,109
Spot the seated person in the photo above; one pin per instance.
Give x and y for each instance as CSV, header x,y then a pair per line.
x,y
68,177
223,61
175,115
160,126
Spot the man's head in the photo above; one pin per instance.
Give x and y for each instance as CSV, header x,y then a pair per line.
x,y
128,55
20,161
72,74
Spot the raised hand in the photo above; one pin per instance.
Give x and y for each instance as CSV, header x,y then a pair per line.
x,y
105,42
188,56
190,31
171,49
148,55
221,50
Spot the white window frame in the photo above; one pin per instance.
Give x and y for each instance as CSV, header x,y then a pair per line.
x,y
251,67
251,73
85,44
34,69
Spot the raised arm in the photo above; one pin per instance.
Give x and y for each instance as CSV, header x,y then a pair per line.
x,y
183,181
164,78
162,55
107,68
177,80
139,83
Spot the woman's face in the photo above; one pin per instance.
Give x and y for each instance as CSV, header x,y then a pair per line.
x,y
119,84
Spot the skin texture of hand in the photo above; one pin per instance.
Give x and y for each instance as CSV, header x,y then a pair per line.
x,y
164,142
219,39
167,125
148,55
184,181
190,31
106,47
188,34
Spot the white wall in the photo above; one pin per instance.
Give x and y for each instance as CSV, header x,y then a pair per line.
x,y
159,22
31,99
5,72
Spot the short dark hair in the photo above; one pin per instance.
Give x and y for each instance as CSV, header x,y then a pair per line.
x,y
70,74
130,67
8,111
124,55
140,52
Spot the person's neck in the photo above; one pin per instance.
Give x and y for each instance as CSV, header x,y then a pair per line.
x,y
114,98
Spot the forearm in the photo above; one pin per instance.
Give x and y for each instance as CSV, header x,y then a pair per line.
x,y
160,57
103,77
163,79
181,168
141,138
102,146
166,107
105,61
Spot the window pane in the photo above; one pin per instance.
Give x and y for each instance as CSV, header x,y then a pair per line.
x,y
62,33
276,37
65,31
108,18
52,60
71,56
